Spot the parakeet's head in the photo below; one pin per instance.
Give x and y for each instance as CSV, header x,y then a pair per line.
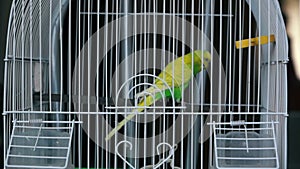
x,y
198,60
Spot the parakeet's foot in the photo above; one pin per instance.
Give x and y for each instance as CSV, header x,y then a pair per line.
x,y
178,100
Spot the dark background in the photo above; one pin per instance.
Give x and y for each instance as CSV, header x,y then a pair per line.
x,y
293,94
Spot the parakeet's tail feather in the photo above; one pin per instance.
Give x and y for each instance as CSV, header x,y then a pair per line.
x,y
149,101
119,126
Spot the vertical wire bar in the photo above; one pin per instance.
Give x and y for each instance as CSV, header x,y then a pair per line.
x,y
104,75
192,85
147,45
182,84
23,55
50,56
79,87
123,28
13,77
226,64
250,108
285,118
111,62
135,72
176,46
154,34
22,73
61,55
212,81
173,68
145,128
234,58
70,61
164,48
4,137
88,82
169,59
137,129
40,53
140,60
227,56
240,75
154,73
278,93
240,61
202,84
220,60
6,92
178,54
116,64
254,81
269,59
106,79
249,62
30,52
164,60
125,53
18,77
97,89
143,45
259,57
201,11
75,135
254,66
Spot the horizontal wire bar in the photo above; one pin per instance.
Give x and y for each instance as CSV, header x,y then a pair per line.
x,y
275,62
47,128
147,107
40,137
242,129
243,148
39,147
42,157
244,158
243,138
228,123
155,14
61,122
256,167
158,113
35,166
215,104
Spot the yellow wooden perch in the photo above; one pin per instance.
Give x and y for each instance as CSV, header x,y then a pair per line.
x,y
254,41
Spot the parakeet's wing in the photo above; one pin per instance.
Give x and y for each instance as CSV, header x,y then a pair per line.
x,y
177,74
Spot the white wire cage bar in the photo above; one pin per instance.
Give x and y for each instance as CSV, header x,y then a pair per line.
x,y
74,69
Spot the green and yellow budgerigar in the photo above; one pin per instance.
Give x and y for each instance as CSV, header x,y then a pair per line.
x,y
176,73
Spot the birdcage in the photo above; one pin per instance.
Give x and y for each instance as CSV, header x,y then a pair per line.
x,y
199,83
